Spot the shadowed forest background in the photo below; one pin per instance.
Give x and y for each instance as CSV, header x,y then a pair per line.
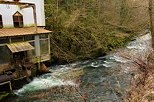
x,y
89,28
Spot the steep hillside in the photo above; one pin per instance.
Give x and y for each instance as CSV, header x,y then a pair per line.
x,y
90,28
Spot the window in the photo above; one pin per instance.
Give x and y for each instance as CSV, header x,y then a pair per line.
x,y
1,22
44,36
4,40
44,45
29,37
17,39
18,20
31,53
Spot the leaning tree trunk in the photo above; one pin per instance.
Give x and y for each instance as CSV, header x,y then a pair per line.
x,y
150,14
151,22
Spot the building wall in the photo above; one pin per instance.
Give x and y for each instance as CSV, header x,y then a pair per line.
x,y
7,12
40,42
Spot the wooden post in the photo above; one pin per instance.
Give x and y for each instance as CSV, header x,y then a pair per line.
x,y
10,86
49,43
35,17
37,49
37,45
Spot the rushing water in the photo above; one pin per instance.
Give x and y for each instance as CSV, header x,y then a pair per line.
x,y
105,79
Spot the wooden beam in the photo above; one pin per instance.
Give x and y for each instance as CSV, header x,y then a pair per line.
x,y
7,82
26,6
35,18
15,3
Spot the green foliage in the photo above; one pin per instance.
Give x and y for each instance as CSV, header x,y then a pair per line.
x,y
85,28
114,32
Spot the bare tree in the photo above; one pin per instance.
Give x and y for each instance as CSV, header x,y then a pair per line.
x,y
150,15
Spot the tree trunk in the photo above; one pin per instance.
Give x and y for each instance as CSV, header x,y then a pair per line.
x,y
150,15
151,22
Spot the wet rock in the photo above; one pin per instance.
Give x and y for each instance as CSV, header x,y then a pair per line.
x,y
44,69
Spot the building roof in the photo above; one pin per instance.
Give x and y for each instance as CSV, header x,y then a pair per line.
x,y
20,46
4,32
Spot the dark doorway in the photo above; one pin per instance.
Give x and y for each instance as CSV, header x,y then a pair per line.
x,y
19,57
18,61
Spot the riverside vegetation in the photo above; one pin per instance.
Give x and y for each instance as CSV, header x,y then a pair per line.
x,y
142,84
89,28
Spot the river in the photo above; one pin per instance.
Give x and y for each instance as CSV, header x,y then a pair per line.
x,y
104,79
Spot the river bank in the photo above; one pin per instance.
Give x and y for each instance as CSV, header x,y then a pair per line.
x,y
142,84
62,53
104,79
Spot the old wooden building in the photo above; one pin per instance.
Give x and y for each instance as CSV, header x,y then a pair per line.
x,y
23,39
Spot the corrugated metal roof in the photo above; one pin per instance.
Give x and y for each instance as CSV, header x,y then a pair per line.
x,y
4,32
20,46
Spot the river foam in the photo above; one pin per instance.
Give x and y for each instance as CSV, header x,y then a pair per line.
x,y
47,81
44,83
